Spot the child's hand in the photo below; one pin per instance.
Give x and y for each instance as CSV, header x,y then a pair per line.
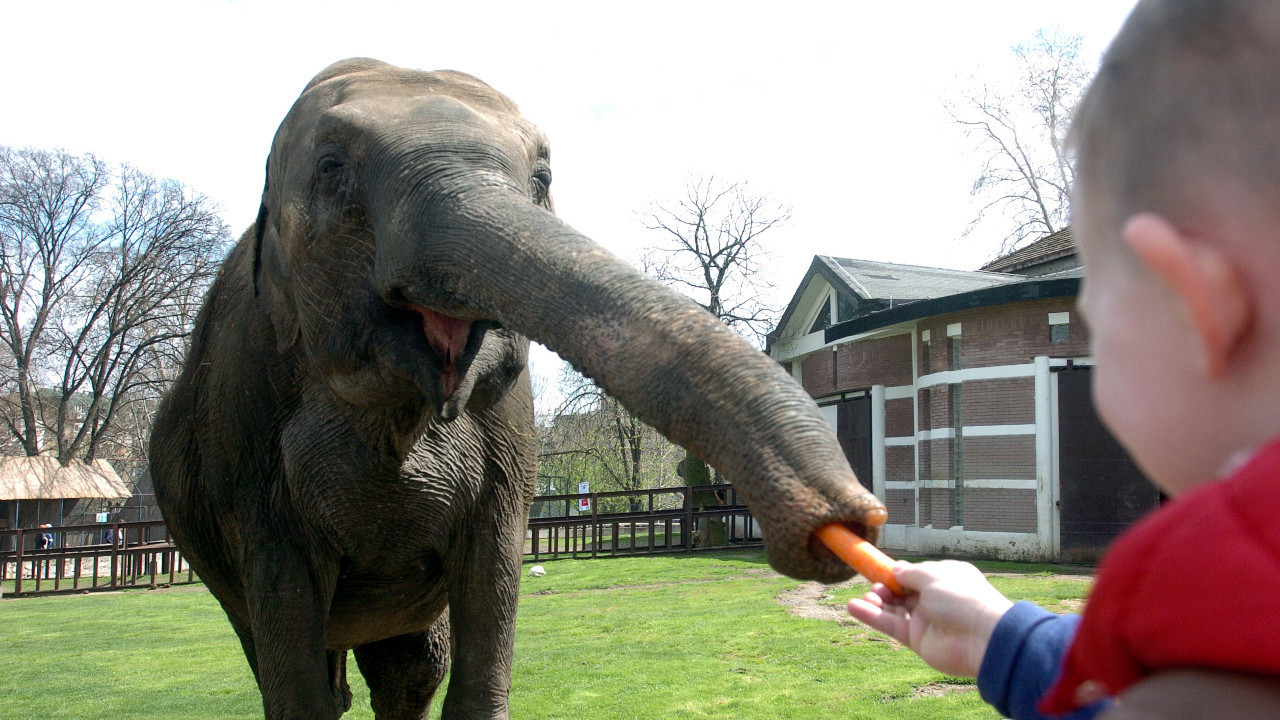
x,y
947,620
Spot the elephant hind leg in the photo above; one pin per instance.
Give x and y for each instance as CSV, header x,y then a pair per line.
x,y
404,672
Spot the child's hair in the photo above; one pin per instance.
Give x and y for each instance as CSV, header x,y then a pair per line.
x,y
1187,99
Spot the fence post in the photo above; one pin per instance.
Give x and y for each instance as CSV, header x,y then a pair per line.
x,y
115,551
688,518
595,524
17,575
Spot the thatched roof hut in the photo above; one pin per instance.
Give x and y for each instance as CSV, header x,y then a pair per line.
x,y
43,478
36,491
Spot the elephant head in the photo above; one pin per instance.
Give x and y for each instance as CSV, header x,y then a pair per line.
x,y
406,244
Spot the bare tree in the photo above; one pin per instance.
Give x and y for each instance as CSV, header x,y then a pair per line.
x,y
712,250
1020,128
592,437
101,273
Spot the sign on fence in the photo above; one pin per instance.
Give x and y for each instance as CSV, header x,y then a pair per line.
x,y
584,504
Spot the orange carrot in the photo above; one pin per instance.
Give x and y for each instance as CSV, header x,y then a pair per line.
x,y
860,555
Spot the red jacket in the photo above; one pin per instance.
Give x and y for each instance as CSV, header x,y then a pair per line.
x,y
1194,584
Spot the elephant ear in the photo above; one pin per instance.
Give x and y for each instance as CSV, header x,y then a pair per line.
x,y
271,274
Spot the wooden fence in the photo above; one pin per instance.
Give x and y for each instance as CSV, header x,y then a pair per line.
x,y
664,520
80,558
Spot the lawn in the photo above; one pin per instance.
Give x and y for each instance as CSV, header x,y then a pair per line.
x,y
647,637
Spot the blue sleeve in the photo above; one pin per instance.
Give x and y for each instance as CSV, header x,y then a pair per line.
x,y
1024,658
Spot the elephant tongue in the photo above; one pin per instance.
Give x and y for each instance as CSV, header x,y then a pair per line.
x,y
448,337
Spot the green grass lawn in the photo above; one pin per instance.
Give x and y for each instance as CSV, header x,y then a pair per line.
x,y
647,637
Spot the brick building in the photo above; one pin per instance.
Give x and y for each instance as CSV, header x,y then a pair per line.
x,y
962,399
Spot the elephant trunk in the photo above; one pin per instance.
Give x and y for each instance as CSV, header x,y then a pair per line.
x,y
665,358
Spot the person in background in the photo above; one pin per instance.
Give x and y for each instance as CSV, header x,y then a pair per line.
x,y
45,541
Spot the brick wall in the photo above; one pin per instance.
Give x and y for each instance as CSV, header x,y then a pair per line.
x,y
1002,457
1009,401
901,505
899,463
882,361
818,370
999,510
941,505
935,456
935,412
859,365
985,509
1010,334
899,420
925,460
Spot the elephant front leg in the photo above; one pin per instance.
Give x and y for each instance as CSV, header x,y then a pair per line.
x,y
482,613
288,596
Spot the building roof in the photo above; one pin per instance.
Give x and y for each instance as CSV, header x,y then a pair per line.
x,y
1063,284
892,281
1048,248
42,478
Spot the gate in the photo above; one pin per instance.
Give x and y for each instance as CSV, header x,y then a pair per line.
x,y
853,428
1100,489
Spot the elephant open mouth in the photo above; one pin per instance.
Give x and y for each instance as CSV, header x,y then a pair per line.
x,y
454,342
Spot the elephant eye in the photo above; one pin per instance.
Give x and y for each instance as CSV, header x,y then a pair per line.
x,y
541,181
329,165
543,175
329,171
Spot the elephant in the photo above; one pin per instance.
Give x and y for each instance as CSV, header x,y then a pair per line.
x,y
348,458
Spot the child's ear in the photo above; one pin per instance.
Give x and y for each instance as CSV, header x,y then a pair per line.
x,y
1203,277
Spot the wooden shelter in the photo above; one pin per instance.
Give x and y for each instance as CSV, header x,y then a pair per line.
x,y
39,490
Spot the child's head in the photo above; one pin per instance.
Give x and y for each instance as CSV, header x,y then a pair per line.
x,y
1177,214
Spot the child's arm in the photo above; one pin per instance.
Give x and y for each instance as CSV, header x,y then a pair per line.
x,y
959,624
947,621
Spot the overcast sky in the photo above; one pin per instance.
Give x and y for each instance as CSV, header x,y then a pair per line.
x,y
833,108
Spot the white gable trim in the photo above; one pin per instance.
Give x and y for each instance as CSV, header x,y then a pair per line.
x,y
795,339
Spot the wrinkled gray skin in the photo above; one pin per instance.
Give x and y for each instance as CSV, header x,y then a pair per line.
x,y
348,457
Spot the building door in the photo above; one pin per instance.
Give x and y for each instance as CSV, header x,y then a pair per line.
x,y
853,428
1100,489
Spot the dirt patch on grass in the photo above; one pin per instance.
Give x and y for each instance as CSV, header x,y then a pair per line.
x,y
1071,606
748,574
942,689
931,690
814,600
